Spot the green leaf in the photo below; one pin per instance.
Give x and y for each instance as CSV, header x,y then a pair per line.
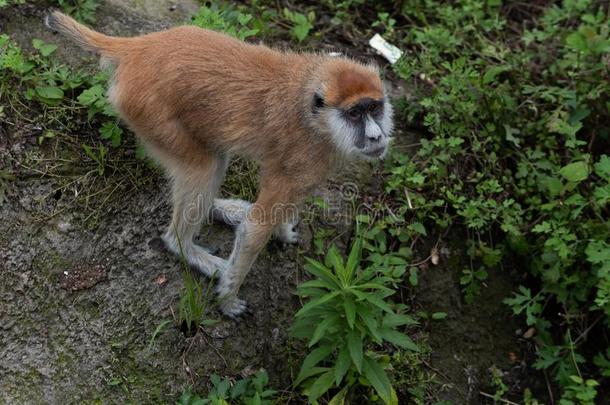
x,y
317,269
315,303
339,398
334,260
602,168
50,92
598,251
354,345
91,95
312,360
373,299
342,364
370,321
577,41
371,286
413,280
322,328
239,388
350,311
321,385
392,320
493,72
378,378
419,228
439,315
110,130
353,259
43,48
575,172
301,31
399,339
305,374
316,283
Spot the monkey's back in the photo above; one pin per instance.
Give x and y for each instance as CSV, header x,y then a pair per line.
x,y
188,89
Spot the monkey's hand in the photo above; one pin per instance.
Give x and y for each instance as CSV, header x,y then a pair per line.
x,y
232,307
287,233
229,303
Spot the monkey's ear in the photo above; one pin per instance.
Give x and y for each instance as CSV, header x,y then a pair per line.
x,y
318,102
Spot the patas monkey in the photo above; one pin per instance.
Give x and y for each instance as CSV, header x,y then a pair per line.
x,y
196,97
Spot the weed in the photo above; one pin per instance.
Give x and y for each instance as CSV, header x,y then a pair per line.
x,y
347,313
225,19
524,113
248,391
98,157
4,3
385,21
301,23
193,302
82,10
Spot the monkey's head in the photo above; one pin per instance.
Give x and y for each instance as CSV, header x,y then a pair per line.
x,y
350,103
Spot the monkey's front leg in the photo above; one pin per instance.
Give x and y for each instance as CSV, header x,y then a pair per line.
x,y
250,238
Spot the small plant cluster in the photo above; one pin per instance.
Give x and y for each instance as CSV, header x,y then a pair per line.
x,y
82,10
225,19
4,3
516,157
245,22
50,84
347,315
193,303
247,391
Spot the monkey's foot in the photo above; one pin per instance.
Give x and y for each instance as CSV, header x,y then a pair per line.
x,y
233,307
287,233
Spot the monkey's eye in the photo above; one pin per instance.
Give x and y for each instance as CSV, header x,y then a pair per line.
x,y
353,114
374,108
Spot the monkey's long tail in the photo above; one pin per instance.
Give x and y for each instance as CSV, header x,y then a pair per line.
x,y
85,37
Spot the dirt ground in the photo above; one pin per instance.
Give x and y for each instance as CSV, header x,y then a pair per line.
x,y
80,304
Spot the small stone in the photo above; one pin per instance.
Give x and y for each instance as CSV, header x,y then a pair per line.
x,y
434,257
529,333
64,227
275,334
160,279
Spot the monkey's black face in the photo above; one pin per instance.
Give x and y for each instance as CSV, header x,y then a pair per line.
x,y
370,122
362,129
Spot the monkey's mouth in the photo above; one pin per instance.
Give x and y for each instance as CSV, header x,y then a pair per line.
x,y
375,153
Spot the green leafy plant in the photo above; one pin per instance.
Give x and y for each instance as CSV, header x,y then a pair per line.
x,y
193,304
82,10
248,391
301,23
99,157
4,3
98,106
346,315
524,113
50,84
385,21
227,20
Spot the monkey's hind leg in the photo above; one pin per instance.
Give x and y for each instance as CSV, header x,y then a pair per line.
x,y
193,193
234,211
